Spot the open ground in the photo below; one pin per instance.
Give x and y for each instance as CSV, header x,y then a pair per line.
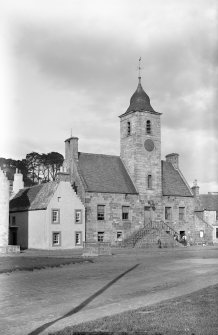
x,y
47,300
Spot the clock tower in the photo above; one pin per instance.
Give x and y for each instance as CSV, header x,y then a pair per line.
x,y
140,144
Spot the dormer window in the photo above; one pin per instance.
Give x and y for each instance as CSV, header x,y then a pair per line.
x,y
128,128
148,127
149,181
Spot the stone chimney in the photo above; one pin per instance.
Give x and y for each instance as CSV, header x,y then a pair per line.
x,y
71,150
18,183
173,159
195,189
62,175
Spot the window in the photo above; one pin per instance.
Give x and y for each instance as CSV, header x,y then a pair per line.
x,y
56,238
125,213
168,213
55,216
216,232
13,221
128,128
78,238
181,213
201,233
216,215
78,216
100,236
148,127
100,212
149,181
119,236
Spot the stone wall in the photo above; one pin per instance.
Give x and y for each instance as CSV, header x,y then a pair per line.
x,y
192,224
113,222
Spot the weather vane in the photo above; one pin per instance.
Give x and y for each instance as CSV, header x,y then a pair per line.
x,y
139,67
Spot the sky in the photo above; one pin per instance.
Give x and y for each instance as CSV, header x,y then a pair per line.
x,y
70,67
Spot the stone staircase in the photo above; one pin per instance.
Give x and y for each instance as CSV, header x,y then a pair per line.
x,y
153,235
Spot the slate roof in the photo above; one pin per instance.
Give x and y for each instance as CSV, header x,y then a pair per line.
x,y
172,182
107,174
209,202
104,174
33,198
140,101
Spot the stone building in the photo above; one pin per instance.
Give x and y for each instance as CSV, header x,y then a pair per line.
x,y
135,195
207,210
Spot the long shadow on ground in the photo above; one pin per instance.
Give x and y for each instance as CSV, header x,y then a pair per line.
x,y
83,304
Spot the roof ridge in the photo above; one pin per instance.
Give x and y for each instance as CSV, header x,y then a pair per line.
x,y
90,153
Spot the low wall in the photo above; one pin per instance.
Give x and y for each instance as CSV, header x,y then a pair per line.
x,y
96,248
10,249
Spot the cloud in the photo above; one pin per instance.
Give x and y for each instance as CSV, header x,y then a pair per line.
x,y
76,67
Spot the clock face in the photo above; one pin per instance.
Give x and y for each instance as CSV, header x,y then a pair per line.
x,y
149,145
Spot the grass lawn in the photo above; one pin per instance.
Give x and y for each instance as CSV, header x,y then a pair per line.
x,y
10,264
194,314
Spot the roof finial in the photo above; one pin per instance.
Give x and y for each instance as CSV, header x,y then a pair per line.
x,y
71,132
139,69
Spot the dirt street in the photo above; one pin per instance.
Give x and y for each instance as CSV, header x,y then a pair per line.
x,y
44,300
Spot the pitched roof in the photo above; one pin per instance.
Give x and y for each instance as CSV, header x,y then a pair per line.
x,y
209,201
140,101
33,198
173,182
105,174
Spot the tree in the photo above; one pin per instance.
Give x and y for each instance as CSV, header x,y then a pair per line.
x,y
54,162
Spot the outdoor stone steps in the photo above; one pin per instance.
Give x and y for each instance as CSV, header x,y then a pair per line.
x,y
150,235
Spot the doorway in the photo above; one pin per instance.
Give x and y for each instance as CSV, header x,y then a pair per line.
x,y
13,236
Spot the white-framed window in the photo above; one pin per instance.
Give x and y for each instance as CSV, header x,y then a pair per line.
x,y
168,213
125,212
100,212
55,215
78,216
100,236
119,236
216,215
78,238
201,233
56,238
181,213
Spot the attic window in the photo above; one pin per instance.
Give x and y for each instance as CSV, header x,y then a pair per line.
x,y
149,181
148,127
128,128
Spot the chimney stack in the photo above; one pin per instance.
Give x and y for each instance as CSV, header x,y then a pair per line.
x,y
18,183
71,150
195,189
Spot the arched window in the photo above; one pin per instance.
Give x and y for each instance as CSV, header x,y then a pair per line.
x,y
149,181
128,128
148,127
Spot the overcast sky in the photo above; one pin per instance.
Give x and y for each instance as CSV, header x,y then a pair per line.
x,y
73,65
